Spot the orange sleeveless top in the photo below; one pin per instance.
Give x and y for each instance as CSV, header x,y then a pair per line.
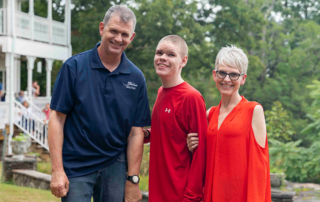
x,y
237,168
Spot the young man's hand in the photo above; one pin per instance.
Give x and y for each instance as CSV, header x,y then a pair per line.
x,y
192,141
132,192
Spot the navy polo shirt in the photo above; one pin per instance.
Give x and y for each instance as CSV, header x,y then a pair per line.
x,y
101,107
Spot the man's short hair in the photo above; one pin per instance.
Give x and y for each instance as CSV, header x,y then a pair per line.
x,y
177,40
126,15
232,56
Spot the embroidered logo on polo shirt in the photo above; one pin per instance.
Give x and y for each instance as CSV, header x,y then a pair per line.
x,y
130,85
167,110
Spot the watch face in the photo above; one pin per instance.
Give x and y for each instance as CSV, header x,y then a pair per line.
x,y
135,179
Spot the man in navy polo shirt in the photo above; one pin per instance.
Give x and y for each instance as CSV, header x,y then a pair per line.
x,y
99,106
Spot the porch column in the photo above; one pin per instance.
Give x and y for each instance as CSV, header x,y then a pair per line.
x,y
50,20
67,21
16,74
49,63
30,67
6,85
31,13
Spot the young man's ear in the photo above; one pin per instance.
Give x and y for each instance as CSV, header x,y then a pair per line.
x,y
184,61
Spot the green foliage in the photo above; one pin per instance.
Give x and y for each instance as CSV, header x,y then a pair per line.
x,y
299,163
20,138
278,123
314,115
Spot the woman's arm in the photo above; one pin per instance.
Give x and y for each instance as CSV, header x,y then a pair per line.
x,y
259,126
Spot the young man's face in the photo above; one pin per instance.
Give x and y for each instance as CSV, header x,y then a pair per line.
x,y
168,61
116,35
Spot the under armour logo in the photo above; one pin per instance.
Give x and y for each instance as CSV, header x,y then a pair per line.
x,y
167,110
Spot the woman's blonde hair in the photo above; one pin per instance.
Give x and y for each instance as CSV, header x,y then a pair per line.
x,y
232,56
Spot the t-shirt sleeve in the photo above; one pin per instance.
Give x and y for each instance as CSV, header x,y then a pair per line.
x,y
142,115
195,121
63,95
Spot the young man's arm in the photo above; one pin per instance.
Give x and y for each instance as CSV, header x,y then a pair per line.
x,y
59,183
197,123
134,157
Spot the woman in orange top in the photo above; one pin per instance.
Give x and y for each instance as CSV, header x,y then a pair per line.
x,y
237,168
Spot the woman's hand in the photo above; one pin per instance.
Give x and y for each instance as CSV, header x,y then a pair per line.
x,y
192,141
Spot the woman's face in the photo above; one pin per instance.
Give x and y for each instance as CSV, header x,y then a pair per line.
x,y
226,86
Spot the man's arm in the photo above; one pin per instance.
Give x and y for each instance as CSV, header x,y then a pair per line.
x,y
134,157
59,183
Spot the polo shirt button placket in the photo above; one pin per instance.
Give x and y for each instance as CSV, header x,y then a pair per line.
x,y
107,86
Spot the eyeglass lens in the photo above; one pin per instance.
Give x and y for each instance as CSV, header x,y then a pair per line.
x,y
233,76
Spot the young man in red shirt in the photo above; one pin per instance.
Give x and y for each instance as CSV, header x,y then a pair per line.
x,y
175,174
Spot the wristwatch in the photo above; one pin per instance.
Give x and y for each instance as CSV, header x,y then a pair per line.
x,y
134,179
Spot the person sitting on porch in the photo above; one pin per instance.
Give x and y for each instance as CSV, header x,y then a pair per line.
x,y
35,89
20,97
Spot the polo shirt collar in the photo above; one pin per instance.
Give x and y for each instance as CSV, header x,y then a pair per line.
x,y
124,66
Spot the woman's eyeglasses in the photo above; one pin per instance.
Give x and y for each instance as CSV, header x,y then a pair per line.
x,y
232,76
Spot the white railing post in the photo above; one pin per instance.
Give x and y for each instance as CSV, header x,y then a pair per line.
x,y
31,13
30,67
49,63
50,20
68,25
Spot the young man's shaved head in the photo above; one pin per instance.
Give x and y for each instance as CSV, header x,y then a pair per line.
x,y
177,40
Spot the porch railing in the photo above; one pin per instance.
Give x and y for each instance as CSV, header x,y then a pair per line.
x,y
43,30
30,124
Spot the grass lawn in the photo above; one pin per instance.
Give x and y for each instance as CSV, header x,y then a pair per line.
x,y
12,193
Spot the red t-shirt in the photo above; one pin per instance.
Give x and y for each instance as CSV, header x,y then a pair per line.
x,y
175,174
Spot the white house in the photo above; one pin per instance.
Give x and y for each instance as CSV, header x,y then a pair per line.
x,y
25,34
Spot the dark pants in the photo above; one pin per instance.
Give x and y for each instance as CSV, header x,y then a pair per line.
x,y
105,185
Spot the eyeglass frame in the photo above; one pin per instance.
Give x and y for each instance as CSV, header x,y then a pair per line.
x,y
228,74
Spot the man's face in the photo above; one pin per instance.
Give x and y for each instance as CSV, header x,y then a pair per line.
x,y
34,84
116,35
21,93
168,60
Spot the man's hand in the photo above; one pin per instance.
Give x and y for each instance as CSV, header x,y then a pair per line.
x,y
59,184
132,192
192,141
